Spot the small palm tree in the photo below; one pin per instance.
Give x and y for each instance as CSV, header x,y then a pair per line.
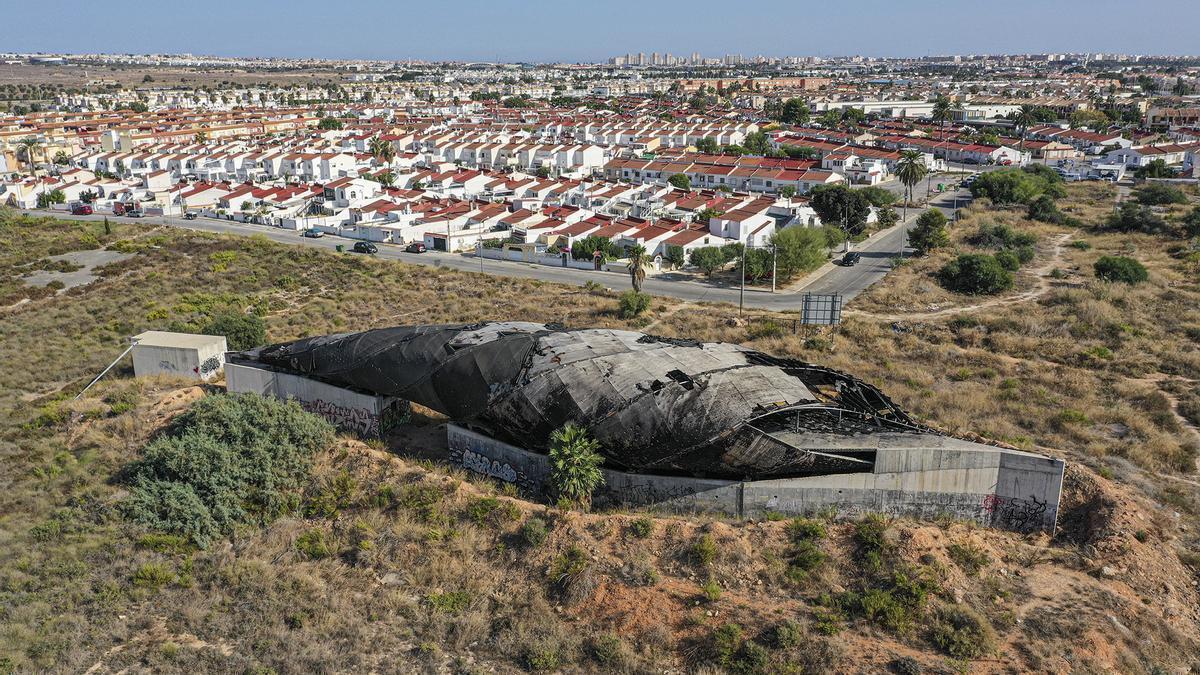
x,y
387,179
1025,117
575,465
910,170
637,267
943,111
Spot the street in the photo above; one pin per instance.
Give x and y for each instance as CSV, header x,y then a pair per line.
x,y
848,281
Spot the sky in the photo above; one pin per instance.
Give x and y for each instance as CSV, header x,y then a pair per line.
x,y
573,30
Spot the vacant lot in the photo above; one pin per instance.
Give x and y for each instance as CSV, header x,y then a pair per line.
x,y
417,566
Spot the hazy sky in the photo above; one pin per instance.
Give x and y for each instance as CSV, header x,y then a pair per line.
x,y
571,30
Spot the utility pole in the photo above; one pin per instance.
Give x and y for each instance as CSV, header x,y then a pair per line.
x,y
742,294
774,266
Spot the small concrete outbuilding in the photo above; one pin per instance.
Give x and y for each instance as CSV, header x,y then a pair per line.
x,y
157,352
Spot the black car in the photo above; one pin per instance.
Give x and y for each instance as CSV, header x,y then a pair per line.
x,y
851,258
365,247
415,247
189,216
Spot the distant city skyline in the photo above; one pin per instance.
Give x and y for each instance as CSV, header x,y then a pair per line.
x,y
544,31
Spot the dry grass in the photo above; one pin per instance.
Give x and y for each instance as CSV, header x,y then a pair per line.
x,y
438,587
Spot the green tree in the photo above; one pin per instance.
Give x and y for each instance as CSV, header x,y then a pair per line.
x,y
787,191
1120,269
61,158
681,181
637,267
910,170
854,116
674,256
1025,117
1131,217
879,197
756,143
1155,169
799,250
929,232
575,465
707,145
241,331
801,152
708,258
1018,186
329,123
839,206
387,179
795,111
1092,119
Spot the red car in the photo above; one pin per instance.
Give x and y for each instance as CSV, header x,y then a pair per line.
x,y
415,247
82,210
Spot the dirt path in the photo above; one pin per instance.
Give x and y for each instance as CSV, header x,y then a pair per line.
x,y
1040,288
666,315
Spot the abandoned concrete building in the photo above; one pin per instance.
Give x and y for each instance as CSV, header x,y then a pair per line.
x,y
682,424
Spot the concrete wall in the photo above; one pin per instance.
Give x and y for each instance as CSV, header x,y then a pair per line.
x,y
363,414
202,362
991,486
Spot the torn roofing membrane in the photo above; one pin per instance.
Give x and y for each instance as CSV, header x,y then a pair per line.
x,y
655,404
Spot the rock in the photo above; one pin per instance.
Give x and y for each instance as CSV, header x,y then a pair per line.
x,y
1108,572
390,579
958,596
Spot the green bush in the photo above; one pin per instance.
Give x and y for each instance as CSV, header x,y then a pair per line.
x,y
962,633
241,331
642,527
575,465
534,532
970,558
789,634
1120,268
229,459
1191,223
1002,236
314,545
451,602
633,303
975,274
1044,209
1008,260
806,529
704,550
711,590
1018,186
1133,218
153,576
1157,194
708,259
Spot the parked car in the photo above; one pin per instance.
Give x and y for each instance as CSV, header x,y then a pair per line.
x,y
415,247
135,213
313,234
851,258
82,210
189,216
365,247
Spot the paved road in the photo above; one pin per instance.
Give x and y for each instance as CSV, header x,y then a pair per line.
x,y
877,254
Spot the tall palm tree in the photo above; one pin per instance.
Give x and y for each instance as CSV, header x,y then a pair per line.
x,y
943,111
1025,117
910,170
381,149
637,267
27,154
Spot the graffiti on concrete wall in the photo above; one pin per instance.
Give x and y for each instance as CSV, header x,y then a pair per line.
x,y
1014,513
167,365
357,420
494,468
211,365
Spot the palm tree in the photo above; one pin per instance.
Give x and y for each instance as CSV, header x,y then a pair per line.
x,y
387,179
381,149
943,111
26,152
910,170
1025,117
637,270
